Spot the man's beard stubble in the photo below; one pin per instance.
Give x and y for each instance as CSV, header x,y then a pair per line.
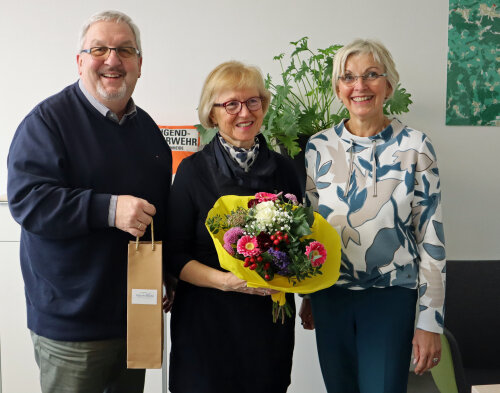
x,y
111,96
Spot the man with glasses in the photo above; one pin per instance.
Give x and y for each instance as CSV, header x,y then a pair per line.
x,y
87,171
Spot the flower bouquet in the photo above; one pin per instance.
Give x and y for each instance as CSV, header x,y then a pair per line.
x,y
271,241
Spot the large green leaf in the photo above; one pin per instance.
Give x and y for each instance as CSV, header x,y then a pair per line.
x,y
206,134
290,144
398,103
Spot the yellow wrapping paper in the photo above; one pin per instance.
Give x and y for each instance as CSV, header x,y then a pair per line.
x,y
321,231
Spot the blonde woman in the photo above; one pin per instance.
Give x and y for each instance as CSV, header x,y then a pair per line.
x,y
223,336
377,182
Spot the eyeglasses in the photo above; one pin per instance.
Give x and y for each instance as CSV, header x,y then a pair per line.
x,y
233,107
350,79
103,52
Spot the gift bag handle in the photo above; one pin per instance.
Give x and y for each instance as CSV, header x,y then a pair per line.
x,y
152,239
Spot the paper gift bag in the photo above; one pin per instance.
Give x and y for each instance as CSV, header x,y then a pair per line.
x,y
144,304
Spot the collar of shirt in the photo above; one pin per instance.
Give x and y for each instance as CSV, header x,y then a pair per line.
x,y
103,110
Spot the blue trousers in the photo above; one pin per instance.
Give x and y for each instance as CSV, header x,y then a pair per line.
x,y
364,338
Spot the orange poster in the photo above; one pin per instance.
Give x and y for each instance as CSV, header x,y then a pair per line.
x,y
183,140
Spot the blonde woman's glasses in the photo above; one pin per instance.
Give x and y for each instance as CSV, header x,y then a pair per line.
x,y
233,107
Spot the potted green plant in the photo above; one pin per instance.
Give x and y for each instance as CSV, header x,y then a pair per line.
x,y
304,101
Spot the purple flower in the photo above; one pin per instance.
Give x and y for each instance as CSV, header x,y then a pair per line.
x,y
229,248
292,198
232,235
280,260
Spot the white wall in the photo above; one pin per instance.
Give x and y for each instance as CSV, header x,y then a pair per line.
x,y
184,40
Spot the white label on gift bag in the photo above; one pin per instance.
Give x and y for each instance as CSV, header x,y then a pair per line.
x,y
144,296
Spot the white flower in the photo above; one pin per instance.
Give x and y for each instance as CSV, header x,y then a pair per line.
x,y
265,212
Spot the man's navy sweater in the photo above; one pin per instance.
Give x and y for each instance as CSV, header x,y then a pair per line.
x,y
64,163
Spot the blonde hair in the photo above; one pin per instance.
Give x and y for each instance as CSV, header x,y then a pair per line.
x,y
379,52
231,75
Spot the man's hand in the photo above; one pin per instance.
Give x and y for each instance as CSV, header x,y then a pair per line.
x,y
133,215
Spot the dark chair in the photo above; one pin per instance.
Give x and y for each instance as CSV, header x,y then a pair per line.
x,y
472,325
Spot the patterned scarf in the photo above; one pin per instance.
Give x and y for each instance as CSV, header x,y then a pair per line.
x,y
243,157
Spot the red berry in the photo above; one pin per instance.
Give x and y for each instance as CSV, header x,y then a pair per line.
x,y
253,266
280,238
272,237
267,277
276,248
267,266
278,233
247,259
252,259
259,259
246,264
276,242
285,236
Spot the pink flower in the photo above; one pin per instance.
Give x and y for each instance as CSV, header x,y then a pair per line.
x,y
316,253
229,248
248,246
232,235
265,197
292,198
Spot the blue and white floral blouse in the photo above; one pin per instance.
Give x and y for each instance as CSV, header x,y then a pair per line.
x,y
382,194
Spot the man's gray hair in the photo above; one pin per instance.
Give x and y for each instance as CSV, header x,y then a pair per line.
x,y
110,16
